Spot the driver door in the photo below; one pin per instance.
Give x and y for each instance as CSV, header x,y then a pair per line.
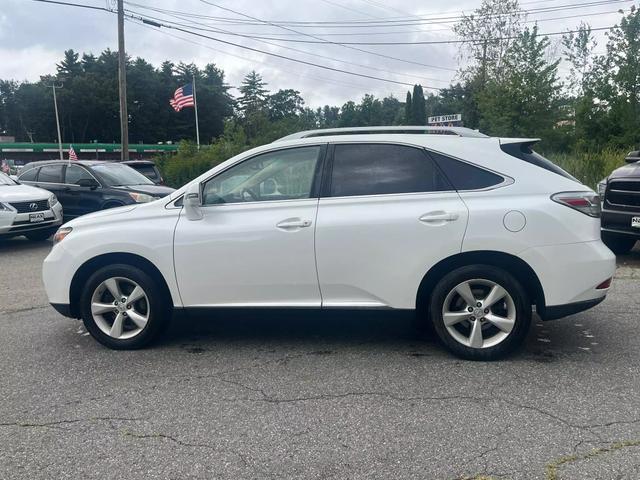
x,y
254,246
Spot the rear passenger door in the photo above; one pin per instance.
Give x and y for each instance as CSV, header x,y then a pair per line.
x,y
50,178
386,216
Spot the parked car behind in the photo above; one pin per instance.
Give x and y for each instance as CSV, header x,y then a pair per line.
x,y
29,211
148,168
88,185
470,232
621,205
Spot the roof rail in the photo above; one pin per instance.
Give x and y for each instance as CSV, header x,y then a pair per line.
x,y
413,129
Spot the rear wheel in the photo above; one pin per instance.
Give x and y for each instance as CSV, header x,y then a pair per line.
x,y
480,312
618,244
123,307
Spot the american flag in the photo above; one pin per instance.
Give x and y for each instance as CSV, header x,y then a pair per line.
x,y
72,153
183,97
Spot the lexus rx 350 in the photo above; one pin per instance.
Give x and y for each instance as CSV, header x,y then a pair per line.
x,y
470,232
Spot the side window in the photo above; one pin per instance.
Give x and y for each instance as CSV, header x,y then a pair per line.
x,y
29,175
282,175
75,173
378,169
50,174
464,176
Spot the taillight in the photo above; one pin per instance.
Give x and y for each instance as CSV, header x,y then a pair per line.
x,y
584,202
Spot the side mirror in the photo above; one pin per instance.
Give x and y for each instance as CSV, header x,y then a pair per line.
x,y
88,183
632,157
192,202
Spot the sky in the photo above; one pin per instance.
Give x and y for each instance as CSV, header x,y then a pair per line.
x,y
34,35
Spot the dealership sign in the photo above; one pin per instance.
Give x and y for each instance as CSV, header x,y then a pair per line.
x,y
440,119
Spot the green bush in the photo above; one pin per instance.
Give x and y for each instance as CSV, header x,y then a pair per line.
x,y
589,167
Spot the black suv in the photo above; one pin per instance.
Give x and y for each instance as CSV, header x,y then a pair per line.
x,y
86,186
621,206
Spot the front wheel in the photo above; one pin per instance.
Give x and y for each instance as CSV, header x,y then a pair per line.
x,y
123,307
480,312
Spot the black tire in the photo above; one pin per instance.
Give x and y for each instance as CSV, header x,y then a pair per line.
x,y
618,244
159,306
40,235
521,303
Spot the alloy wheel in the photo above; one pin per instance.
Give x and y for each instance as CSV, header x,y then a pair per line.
x,y
479,313
120,308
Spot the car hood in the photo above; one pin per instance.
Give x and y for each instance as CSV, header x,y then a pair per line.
x,y
154,190
630,170
22,193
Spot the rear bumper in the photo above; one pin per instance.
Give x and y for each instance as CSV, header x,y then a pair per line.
x,y
560,311
570,273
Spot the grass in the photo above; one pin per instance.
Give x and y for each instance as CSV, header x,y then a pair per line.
x,y
589,167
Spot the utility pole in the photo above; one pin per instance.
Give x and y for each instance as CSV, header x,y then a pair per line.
x,y
55,106
122,85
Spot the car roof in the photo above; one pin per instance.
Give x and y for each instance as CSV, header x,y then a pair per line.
x,y
138,162
387,130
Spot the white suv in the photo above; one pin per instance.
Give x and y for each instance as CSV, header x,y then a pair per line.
x,y
471,232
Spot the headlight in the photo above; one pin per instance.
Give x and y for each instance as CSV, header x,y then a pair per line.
x,y
53,201
142,197
602,187
61,234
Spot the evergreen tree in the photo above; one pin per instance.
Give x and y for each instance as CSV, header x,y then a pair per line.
x,y
418,107
253,97
408,111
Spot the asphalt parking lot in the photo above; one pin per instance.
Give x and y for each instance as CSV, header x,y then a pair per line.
x,y
353,397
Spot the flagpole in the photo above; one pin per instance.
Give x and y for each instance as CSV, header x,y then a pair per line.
x,y
195,106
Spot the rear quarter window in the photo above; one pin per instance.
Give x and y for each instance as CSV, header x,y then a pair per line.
x,y
465,176
523,151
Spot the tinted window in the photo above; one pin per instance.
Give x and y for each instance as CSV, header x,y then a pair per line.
x,y
376,169
50,174
116,175
281,175
75,173
523,151
148,171
464,176
29,175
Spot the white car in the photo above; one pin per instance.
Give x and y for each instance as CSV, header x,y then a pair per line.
x,y
29,211
471,232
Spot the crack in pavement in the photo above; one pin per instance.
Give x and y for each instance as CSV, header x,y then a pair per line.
x,y
56,423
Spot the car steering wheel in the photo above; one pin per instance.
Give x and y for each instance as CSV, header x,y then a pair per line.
x,y
251,194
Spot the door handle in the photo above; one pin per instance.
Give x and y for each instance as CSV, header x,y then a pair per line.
x,y
439,217
292,223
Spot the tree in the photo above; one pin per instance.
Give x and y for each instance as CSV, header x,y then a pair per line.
x,y
285,104
253,96
69,66
524,102
418,107
408,112
487,35
578,51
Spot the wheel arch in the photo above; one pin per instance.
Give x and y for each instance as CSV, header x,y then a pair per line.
x,y
517,267
87,268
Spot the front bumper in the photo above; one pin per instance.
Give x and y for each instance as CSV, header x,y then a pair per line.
x,y
619,223
14,224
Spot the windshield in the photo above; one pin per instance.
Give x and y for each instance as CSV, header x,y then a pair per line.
x,y
5,180
115,175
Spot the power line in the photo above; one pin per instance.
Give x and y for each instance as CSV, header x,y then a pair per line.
x,y
227,32
330,42
383,22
